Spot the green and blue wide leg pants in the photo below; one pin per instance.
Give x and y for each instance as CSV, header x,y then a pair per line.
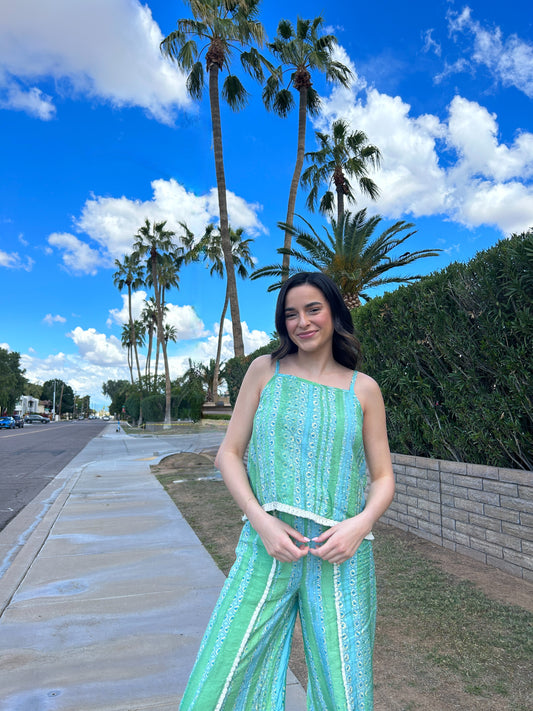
x,y
243,658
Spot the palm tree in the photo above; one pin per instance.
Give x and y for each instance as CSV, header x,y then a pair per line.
x,y
341,156
211,247
163,260
130,274
207,374
128,344
149,323
351,256
136,328
300,51
222,26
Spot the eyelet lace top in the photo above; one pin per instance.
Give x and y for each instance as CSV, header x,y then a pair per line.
x,y
306,454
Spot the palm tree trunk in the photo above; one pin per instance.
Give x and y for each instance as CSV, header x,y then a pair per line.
x,y
219,347
161,336
149,355
238,344
168,389
300,153
133,338
130,364
340,205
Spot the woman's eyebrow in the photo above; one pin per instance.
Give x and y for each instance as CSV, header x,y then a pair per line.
x,y
306,306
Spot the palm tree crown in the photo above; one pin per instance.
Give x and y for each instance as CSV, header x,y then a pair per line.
x,y
351,256
301,51
221,27
342,155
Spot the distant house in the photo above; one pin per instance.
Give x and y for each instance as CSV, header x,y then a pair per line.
x,y
27,404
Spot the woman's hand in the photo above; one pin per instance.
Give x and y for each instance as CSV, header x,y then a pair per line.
x,y
278,538
340,542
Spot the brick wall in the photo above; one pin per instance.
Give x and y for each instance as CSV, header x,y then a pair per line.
x,y
482,512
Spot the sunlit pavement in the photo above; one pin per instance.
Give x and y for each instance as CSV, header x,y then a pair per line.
x,y
105,589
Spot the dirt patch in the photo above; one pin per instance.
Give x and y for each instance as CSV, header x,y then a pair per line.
x,y
442,644
495,583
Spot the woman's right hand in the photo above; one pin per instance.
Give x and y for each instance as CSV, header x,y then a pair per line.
x,y
278,537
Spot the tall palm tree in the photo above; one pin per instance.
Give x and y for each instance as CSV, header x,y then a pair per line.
x,y
163,260
149,323
300,51
211,247
130,274
130,345
221,27
127,343
342,155
351,255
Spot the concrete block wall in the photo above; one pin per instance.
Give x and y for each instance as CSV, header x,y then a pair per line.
x,y
482,512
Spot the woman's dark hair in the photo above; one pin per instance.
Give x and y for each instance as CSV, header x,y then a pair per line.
x,y
346,347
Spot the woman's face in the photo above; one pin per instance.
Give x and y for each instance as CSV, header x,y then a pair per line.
x,y
308,318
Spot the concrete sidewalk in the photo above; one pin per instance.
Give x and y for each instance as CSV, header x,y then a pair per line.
x,y
105,590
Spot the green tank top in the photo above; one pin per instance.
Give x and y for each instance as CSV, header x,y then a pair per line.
x,y
306,454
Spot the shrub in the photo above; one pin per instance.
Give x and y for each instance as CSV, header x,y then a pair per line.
x,y
452,354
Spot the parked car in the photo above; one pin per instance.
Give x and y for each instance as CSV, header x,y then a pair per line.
x,y
7,423
36,419
19,422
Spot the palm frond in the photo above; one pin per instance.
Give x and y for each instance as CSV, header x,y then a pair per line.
x,y
195,81
233,92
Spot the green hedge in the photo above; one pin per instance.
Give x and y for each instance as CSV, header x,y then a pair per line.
x,y
453,356
235,368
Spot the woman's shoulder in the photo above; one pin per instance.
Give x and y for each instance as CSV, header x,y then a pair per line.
x,y
366,388
261,369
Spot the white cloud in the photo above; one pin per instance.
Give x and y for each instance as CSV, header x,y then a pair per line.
x,y
113,222
50,320
83,377
97,348
473,133
451,167
106,50
509,60
430,45
188,324
121,316
101,358
12,260
31,101
207,349
78,257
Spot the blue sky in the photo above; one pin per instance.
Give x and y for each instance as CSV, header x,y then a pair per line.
x,y
97,134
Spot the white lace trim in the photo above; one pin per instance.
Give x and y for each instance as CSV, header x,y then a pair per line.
x,y
295,511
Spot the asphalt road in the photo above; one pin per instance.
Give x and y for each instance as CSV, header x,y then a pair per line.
x,y
31,456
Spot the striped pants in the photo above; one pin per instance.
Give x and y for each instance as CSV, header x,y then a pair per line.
x,y
243,657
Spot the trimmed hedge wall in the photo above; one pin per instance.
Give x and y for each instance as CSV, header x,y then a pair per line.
x,y
235,369
453,356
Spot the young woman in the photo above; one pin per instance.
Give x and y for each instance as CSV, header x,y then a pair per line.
x,y
313,426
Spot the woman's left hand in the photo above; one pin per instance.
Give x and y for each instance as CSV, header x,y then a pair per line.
x,y
339,543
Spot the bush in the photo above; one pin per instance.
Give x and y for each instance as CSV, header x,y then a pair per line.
x,y
452,354
187,400
154,408
132,406
235,369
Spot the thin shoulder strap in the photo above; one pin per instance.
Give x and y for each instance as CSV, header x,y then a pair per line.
x,y
277,367
352,384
